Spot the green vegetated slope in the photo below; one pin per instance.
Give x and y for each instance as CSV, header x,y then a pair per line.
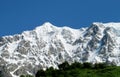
x,y
81,70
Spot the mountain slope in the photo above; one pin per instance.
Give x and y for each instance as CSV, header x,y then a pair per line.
x,y
48,45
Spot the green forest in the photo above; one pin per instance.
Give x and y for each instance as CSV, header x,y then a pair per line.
x,y
80,70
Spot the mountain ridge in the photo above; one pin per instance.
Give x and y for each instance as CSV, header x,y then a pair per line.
x,y
48,45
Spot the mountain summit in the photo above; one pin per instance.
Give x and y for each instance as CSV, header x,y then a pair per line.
x,y
48,45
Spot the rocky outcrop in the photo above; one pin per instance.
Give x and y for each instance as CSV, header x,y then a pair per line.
x,y
4,72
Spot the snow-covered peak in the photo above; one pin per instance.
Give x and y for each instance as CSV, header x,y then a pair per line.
x,y
45,28
48,45
97,23
46,25
112,24
115,25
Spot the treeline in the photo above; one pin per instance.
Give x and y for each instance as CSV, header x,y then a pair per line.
x,y
80,70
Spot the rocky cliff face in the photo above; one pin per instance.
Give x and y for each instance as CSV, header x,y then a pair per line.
x,y
48,45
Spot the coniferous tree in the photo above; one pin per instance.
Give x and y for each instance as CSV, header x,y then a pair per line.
x,y
87,65
40,73
63,66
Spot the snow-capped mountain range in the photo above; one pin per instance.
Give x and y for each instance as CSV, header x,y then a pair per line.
x,y
48,45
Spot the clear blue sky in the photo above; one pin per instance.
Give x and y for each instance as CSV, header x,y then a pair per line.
x,y
19,15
